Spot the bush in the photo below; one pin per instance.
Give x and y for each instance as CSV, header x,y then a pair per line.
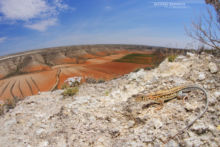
x,y
70,91
147,68
90,80
65,86
11,103
101,81
172,58
138,69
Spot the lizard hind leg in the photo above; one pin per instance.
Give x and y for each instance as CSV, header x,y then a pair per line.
x,y
161,102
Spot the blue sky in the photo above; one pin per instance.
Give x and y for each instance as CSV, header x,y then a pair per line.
x,y
33,24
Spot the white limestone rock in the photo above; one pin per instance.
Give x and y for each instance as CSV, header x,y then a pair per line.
x,y
201,76
213,68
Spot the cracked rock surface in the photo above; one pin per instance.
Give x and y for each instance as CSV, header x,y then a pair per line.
x,y
106,114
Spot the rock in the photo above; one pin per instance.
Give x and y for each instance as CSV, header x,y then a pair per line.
x,y
171,143
217,94
200,128
190,54
43,144
94,118
193,142
137,75
190,107
212,100
213,68
201,76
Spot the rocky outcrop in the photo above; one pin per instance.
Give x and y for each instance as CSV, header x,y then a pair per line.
x,y
106,114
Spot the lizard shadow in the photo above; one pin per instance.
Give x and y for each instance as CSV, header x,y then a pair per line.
x,y
146,106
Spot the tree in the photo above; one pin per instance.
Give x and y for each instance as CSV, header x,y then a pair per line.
x,y
216,5
207,29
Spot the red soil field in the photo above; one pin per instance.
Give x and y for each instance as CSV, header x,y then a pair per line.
x,y
34,68
89,56
43,78
65,60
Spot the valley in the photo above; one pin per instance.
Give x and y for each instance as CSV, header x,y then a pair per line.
x,y
30,73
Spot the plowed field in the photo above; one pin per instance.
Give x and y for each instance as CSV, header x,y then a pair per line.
x,y
42,78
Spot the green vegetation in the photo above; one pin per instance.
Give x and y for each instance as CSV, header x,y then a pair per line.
x,y
106,93
70,91
93,81
10,103
65,86
151,60
100,81
136,58
171,58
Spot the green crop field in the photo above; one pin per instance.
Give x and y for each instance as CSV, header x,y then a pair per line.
x,y
150,60
136,58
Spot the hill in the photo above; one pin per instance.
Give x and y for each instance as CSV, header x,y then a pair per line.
x,y
27,73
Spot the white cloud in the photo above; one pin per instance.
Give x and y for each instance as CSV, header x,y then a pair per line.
x,y
61,5
33,14
42,25
2,39
108,8
23,9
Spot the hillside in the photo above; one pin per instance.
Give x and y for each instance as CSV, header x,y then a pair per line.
x,y
27,73
105,114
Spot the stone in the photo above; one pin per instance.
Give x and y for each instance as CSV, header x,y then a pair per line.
x,y
200,128
172,143
44,143
212,100
193,142
201,76
213,68
190,54
217,94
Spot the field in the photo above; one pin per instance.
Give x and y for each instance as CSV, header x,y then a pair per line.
x,y
36,76
149,60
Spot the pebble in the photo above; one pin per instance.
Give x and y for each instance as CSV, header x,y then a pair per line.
x,y
201,76
217,94
190,54
213,68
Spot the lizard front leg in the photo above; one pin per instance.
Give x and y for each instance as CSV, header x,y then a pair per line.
x,y
181,95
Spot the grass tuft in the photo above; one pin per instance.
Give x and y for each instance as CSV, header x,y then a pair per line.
x,y
171,58
70,91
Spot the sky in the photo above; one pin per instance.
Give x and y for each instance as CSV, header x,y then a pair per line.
x,y
34,24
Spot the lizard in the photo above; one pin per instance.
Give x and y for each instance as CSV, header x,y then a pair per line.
x,y
176,92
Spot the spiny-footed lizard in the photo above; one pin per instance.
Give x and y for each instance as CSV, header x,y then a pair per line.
x,y
176,92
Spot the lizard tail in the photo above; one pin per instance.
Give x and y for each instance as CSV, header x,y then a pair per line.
x,y
199,116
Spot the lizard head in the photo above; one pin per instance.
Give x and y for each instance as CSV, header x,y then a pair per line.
x,y
139,97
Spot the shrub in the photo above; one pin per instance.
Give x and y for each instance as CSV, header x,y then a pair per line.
x,y
100,81
171,58
11,103
70,91
65,86
147,68
106,93
1,109
138,69
90,80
